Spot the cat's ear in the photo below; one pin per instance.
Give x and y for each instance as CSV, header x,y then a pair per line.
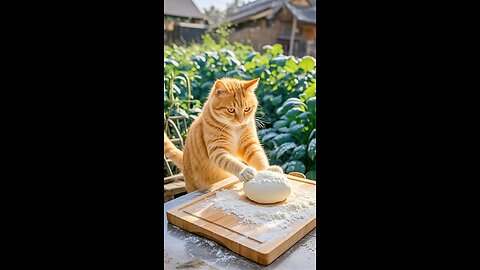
x,y
219,88
250,86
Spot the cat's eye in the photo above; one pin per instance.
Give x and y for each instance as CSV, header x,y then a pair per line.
x,y
230,110
247,109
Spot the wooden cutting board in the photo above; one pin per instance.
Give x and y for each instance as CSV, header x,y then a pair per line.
x,y
198,217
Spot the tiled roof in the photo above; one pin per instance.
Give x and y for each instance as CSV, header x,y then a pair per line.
x,y
271,7
182,8
304,14
244,12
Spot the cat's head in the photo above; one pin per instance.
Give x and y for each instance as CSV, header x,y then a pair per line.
x,y
233,101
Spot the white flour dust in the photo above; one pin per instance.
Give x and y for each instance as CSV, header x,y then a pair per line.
x,y
267,176
311,247
277,218
221,254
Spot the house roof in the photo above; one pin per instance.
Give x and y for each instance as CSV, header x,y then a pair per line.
x,y
244,12
268,8
304,14
182,8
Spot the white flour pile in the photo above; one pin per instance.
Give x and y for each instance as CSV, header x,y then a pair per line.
x,y
277,218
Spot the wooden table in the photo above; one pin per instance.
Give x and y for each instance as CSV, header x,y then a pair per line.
x,y
184,250
173,189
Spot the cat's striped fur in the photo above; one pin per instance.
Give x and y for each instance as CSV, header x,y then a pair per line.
x,y
222,137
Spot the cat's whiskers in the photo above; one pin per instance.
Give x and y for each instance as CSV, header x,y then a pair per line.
x,y
260,122
258,119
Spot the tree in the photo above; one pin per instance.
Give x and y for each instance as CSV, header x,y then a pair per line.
x,y
215,15
232,8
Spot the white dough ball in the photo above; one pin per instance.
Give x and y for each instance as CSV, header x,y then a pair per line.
x,y
267,187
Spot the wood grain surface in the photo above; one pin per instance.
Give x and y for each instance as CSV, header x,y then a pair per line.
x,y
198,217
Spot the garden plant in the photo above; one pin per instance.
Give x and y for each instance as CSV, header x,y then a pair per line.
x,y
286,93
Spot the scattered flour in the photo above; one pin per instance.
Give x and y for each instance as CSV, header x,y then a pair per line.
x,y
221,254
199,241
311,247
300,205
277,218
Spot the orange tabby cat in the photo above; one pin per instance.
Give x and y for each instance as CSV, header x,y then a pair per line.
x,y
222,137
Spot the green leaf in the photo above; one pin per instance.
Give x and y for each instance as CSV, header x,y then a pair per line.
x,y
259,70
293,113
283,138
291,66
277,100
183,113
195,110
299,152
310,91
246,77
177,89
307,63
279,124
284,129
263,132
296,129
206,86
267,98
228,52
250,57
288,104
279,61
201,61
250,65
232,73
304,116
268,136
295,166
312,175
312,149
284,148
294,101
171,62
272,155
267,47
312,104
260,60
312,134
277,49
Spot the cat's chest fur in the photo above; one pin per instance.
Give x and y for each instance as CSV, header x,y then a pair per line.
x,y
235,140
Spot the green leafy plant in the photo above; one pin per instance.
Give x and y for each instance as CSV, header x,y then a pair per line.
x,y
286,92
292,138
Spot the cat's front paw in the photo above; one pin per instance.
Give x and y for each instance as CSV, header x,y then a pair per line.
x,y
275,169
247,174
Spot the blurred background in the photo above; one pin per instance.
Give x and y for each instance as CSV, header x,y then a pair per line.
x,y
274,40
257,23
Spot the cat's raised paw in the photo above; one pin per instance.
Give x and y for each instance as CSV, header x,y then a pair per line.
x,y
275,169
247,174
